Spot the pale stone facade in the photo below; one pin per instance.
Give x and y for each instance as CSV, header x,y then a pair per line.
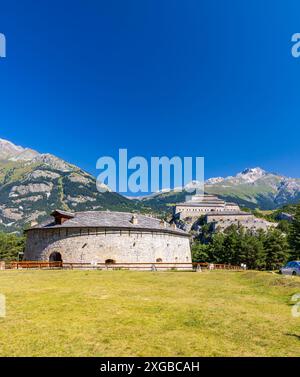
x,y
219,213
201,205
98,246
114,237
221,221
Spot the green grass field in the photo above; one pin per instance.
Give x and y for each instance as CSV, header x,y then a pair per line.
x,y
127,313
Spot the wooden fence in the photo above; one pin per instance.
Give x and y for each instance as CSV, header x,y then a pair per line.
x,y
213,266
120,266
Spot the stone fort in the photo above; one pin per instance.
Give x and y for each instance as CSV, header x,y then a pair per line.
x,y
107,237
200,205
218,213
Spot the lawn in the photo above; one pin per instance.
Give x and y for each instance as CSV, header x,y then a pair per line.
x,y
127,313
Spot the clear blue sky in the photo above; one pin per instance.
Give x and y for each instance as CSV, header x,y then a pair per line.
x,y
190,78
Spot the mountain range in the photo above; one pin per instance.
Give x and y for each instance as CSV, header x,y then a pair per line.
x,y
252,188
33,184
257,188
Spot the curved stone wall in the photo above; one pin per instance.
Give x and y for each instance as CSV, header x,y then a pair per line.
x,y
99,245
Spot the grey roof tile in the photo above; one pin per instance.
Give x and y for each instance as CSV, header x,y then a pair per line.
x,y
107,219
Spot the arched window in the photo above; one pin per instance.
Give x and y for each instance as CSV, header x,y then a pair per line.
x,y
110,261
55,257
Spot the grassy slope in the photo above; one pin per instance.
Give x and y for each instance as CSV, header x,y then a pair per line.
x,y
122,313
16,173
12,171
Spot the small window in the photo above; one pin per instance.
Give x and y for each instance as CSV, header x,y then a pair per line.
x,y
110,261
158,260
55,257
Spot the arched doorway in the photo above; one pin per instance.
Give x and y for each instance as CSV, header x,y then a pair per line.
x,y
110,261
55,257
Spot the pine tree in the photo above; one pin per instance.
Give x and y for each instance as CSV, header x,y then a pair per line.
x,y
252,251
216,249
294,237
276,249
200,252
232,244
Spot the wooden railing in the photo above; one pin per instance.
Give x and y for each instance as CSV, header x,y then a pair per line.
x,y
120,266
33,264
213,266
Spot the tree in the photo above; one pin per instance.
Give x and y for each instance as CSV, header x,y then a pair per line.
x,y
237,245
216,249
276,249
252,251
232,244
204,230
294,237
10,246
200,252
284,226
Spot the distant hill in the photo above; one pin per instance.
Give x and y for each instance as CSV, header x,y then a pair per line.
x,y
33,184
252,188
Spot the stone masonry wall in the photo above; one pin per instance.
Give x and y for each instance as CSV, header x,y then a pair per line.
x,y
97,245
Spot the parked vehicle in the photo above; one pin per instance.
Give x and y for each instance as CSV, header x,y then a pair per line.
x,y
291,268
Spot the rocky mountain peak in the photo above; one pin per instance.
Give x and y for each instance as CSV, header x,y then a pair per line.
x,y
12,152
256,170
252,174
8,149
212,181
33,184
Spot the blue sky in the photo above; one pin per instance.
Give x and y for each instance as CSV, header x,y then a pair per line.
x,y
189,78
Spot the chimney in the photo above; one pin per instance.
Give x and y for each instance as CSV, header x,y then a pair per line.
x,y
163,223
33,224
134,219
62,216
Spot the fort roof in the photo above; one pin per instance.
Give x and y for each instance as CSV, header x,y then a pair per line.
x,y
229,213
202,200
201,204
107,219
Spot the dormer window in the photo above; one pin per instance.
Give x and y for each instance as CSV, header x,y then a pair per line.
x,y
61,216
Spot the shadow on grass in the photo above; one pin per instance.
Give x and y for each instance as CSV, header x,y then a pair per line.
x,y
293,335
